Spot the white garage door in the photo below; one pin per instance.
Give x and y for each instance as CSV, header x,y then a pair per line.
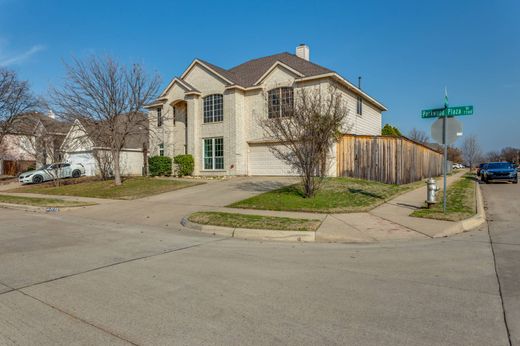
x,y
263,162
86,159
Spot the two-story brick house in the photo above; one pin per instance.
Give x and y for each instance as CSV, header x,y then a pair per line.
x,y
213,113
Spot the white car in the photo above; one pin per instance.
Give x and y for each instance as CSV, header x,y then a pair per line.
x,y
458,166
52,172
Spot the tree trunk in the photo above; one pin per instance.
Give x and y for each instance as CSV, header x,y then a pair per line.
x,y
117,173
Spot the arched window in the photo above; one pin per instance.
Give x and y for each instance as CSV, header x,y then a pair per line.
x,y
280,102
213,108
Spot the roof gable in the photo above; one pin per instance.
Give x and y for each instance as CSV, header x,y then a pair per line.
x,y
251,71
219,72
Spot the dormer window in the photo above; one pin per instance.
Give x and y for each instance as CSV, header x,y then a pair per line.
x,y
159,117
213,108
280,102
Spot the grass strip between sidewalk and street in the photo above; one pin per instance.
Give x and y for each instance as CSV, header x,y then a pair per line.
x,y
337,195
460,202
132,188
42,202
236,220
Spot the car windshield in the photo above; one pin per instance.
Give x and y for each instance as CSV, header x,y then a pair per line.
x,y
499,165
44,167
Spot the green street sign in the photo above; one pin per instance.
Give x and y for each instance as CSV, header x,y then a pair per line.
x,y
450,112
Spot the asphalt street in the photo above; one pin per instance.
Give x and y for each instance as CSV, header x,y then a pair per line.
x,y
503,211
70,279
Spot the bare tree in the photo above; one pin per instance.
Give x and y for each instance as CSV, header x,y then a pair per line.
x,y
305,128
15,99
105,163
510,154
109,98
418,136
454,154
493,156
471,150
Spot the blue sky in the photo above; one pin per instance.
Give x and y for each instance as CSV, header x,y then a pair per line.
x,y
406,51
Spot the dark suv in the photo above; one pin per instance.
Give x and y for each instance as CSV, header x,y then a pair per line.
x,y
503,171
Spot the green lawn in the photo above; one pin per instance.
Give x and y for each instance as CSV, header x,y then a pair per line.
x,y
131,188
254,221
41,202
460,202
337,195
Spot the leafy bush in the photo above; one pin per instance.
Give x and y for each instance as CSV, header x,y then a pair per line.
x,y
184,164
160,165
389,130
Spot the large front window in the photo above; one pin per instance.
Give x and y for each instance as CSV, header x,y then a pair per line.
x,y
280,102
213,108
213,153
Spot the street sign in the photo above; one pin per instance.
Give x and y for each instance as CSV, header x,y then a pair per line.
x,y
453,130
446,129
448,111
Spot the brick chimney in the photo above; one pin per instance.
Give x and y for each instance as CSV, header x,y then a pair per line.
x,y
302,51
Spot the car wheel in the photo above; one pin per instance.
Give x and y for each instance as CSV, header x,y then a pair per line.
x,y
515,181
37,179
76,174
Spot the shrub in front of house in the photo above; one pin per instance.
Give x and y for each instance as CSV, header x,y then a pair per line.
x,y
160,165
185,165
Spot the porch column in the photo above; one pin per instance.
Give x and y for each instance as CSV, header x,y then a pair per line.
x,y
194,141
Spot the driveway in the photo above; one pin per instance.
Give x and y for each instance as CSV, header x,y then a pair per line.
x,y
167,209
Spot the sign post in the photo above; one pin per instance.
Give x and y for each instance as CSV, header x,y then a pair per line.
x,y
445,172
448,135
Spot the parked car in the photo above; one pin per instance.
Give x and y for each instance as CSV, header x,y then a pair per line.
x,y
457,166
503,171
479,168
52,172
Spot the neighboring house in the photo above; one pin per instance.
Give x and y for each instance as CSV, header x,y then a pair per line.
x,y
213,113
83,145
33,139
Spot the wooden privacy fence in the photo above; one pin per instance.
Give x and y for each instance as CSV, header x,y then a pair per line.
x,y
391,160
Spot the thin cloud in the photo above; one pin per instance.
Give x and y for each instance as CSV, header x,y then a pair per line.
x,y
17,59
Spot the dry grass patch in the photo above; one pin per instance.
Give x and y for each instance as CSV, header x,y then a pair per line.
x,y
337,195
42,202
132,188
236,220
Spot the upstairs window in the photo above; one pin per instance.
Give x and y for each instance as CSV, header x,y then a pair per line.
x,y
359,106
280,102
159,117
213,108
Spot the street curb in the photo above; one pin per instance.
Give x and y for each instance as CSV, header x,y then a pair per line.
x,y
251,234
34,209
23,207
470,223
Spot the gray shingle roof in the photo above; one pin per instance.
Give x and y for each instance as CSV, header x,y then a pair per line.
x,y
248,73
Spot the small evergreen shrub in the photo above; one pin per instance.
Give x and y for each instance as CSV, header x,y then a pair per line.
x,y
184,164
160,165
